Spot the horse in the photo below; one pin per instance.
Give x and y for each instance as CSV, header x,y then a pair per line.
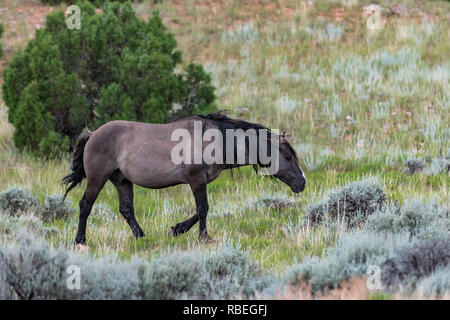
x,y
128,153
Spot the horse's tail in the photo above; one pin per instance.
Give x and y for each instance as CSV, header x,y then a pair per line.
x,y
77,166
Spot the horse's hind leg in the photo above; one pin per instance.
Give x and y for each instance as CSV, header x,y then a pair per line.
x,y
87,201
125,190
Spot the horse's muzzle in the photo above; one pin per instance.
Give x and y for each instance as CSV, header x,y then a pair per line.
x,y
299,187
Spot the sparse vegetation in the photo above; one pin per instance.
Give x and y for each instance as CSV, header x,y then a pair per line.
x,y
358,106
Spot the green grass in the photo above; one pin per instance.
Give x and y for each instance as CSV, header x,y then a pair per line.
x,y
386,95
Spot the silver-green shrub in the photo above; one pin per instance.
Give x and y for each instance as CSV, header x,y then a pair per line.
x,y
436,285
422,219
438,166
227,274
410,264
34,271
15,200
10,226
352,203
102,212
352,256
276,202
31,269
414,165
56,208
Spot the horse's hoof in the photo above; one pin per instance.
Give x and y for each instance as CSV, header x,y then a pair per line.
x,y
171,233
82,248
205,239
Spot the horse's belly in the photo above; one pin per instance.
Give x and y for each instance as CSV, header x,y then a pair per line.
x,y
153,177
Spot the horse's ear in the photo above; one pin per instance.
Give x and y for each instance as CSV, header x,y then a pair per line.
x,y
283,136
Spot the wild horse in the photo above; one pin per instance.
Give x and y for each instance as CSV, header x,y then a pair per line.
x,y
128,153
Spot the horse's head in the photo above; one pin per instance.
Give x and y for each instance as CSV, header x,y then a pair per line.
x,y
289,170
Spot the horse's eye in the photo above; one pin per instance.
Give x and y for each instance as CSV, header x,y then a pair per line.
x,y
287,156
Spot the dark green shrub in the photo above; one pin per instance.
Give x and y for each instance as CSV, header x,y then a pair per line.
x,y
15,200
351,203
115,67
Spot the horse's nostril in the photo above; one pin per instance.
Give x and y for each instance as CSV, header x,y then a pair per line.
x,y
303,185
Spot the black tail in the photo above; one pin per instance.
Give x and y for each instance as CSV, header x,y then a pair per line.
x,y
77,166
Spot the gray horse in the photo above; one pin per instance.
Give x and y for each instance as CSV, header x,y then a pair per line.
x,y
128,153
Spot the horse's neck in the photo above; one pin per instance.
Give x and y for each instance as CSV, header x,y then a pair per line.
x,y
235,163
234,166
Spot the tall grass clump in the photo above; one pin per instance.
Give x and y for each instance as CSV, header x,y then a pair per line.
x,y
331,33
351,203
15,200
247,33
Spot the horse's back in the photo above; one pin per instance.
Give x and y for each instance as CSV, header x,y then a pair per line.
x,y
141,151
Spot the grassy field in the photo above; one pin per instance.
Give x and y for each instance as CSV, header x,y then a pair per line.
x,y
355,102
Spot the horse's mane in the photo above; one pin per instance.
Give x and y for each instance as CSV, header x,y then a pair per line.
x,y
225,122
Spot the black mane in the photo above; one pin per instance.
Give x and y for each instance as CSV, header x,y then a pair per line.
x,y
224,122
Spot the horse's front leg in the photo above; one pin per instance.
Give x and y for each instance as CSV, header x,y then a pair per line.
x,y
201,201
